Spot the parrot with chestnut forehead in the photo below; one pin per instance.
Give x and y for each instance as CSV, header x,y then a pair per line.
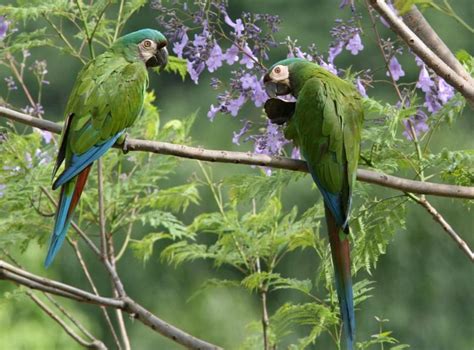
x,y
106,99
325,123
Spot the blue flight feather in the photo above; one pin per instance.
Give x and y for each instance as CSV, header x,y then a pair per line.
x,y
80,162
60,227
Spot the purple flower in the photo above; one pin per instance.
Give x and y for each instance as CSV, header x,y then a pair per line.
x,y
328,66
195,69
360,87
395,68
237,25
2,190
445,91
334,51
233,106
248,59
424,80
241,132
419,124
355,44
179,46
3,27
215,58
231,55
212,112
46,135
259,95
431,102
248,81
295,153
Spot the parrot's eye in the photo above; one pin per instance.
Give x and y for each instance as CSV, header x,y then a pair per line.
x,y
147,43
277,70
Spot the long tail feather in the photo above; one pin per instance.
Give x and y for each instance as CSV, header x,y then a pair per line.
x,y
342,272
67,202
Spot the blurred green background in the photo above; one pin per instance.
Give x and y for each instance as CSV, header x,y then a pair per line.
x,y
424,284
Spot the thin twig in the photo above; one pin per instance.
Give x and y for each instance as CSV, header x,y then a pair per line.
x,y
385,58
423,51
119,19
19,77
94,289
94,344
25,278
248,158
265,319
444,224
107,250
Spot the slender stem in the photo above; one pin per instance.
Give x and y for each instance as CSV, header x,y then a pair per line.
x,y
86,28
265,319
372,177
444,224
119,19
385,58
94,289
19,77
64,39
108,254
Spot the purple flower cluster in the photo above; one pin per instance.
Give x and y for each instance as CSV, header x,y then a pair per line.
x,y
345,35
437,91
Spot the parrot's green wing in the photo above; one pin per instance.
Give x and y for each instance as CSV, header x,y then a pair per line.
x,y
107,98
328,118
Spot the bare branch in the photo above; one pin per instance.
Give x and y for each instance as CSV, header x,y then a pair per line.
x,y
415,20
108,254
424,52
126,304
94,288
94,344
444,224
363,175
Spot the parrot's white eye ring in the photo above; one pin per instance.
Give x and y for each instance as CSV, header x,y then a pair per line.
x,y
147,43
277,70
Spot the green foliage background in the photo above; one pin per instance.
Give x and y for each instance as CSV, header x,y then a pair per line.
x,y
423,284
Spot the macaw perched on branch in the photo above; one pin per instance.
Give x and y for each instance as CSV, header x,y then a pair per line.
x,y
106,99
325,123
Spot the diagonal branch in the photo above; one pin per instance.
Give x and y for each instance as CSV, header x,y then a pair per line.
x,y
424,52
415,20
363,175
126,304
444,224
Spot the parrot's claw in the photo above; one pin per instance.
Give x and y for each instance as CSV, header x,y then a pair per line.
x,y
122,140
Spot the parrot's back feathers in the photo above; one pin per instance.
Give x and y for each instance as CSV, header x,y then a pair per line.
x,y
106,99
278,111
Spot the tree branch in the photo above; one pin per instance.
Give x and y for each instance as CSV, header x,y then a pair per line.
x,y
444,224
372,177
415,20
424,52
126,304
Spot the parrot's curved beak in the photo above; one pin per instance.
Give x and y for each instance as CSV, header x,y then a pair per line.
x,y
160,58
275,88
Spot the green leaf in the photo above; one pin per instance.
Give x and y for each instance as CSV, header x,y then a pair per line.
x,y
177,65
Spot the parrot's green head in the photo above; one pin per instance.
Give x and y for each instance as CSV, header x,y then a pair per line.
x,y
286,76
147,45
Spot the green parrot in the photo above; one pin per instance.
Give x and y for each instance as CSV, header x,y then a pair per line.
x,y
106,99
325,123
